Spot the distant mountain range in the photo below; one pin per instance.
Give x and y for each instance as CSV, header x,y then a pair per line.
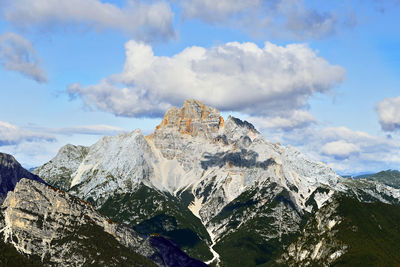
x,y
202,188
389,177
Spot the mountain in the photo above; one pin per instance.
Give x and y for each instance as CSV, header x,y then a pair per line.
x,y
10,173
52,228
389,177
217,188
347,232
49,225
59,170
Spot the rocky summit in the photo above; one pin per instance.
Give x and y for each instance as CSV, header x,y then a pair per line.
x,y
225,195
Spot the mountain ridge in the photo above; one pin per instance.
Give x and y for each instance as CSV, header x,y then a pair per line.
x,y
11,172
387,177
224,172
52,227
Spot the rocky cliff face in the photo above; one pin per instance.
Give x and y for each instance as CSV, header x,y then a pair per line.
x,y
243,188
48,224
59,170
194,119
10,173
113,165
347,232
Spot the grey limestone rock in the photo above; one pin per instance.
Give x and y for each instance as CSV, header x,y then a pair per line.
x,y
58,171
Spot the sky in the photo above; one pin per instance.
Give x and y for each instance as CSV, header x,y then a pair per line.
x,y
321,76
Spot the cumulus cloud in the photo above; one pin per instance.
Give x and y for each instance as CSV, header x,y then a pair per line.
x,y
18,54
11,134
340,149
362,150
388,111
290,17
145,21
272,81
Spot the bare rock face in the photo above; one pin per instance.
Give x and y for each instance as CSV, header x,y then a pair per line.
x,y
113,165
194,118
10,173
59,170
48,223
61,230
317,245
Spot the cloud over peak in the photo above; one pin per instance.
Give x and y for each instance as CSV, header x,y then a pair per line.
x,y
272,81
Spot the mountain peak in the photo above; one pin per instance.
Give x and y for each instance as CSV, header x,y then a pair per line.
x,y
194,118
8,160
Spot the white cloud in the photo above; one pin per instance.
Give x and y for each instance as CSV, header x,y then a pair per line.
x,y
83,129
145,21
340,149
389,113
33,146
11,134
217,11
18,54
273,81
343,149
298,119
279,17
31,154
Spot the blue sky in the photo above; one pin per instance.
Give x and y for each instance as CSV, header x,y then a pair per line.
x,y
321,76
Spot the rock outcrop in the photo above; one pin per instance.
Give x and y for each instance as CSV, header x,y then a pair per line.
x,y
59,170
194,118
47,223
10,174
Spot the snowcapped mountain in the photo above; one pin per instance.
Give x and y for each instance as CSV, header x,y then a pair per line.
x,y
215,187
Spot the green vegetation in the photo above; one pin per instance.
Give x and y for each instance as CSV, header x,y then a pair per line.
x,y
372,232
389,177
99,248
10,257
368,233
246,247
151,212
258,241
